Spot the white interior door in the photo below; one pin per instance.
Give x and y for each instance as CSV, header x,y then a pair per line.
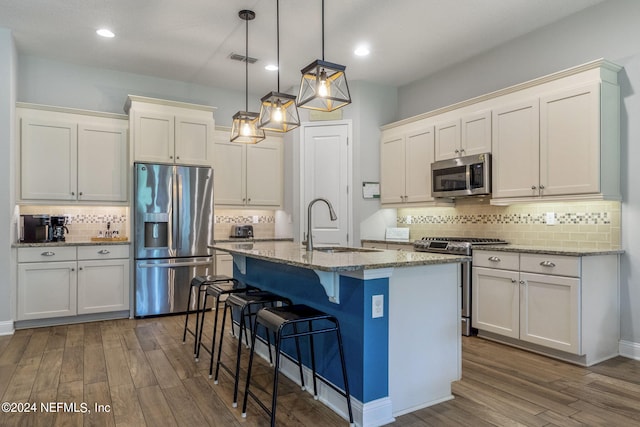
x,y
325,174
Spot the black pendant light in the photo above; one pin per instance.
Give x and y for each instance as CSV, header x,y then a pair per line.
x,y
245,123
324,84
278,111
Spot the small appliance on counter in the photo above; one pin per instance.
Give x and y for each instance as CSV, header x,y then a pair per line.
x,y
241,231
34,228
57,228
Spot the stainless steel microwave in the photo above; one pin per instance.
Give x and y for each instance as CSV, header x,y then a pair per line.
x,y
461,176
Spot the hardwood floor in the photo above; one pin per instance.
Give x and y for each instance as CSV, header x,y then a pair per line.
x,y
142,374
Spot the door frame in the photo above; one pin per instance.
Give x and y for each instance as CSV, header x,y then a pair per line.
x,y
302,177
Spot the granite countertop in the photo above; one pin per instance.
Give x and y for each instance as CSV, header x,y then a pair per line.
x,y
253,239
57,244
402,242
295,254
550,250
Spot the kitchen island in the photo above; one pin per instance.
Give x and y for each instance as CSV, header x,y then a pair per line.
x,y
399,313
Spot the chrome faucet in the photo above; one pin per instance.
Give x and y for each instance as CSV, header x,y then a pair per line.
x,y
332,215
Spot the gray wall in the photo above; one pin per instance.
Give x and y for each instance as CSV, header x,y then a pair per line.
x,y
7,193
610,31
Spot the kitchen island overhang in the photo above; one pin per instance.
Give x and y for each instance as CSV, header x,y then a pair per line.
x,y
399,314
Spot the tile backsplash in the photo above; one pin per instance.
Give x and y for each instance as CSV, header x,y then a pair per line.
x,y
263,222
577,224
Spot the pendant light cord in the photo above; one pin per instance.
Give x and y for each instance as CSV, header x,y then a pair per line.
x,y
278,40
323,30
246,66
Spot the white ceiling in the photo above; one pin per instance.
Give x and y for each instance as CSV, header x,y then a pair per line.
x,y
191,40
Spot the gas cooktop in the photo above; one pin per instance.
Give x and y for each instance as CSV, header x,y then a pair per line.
x,y
453,245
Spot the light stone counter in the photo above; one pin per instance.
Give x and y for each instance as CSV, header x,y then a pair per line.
x,y
551,250
295,254
58,244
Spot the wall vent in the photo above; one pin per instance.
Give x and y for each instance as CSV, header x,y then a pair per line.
x,y
242,58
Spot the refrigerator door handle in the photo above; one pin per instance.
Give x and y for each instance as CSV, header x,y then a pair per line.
x,y
177,207
175,264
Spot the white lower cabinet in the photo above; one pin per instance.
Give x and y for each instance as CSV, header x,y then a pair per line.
x,y
67,281
224,264
565,303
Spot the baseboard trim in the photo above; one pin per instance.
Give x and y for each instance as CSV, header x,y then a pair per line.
x,y
6,327
630,349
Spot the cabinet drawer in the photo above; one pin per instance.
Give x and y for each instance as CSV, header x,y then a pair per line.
x,y
103,252
44,253
496,259
550,264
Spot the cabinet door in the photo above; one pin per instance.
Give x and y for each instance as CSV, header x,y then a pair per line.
x,y
48,159
103,286
570,141
419,156
224,264
194,141
550,311
392,170
153,137
447,140
496,303
476,133
102,162
229,173
264,173
46,289
516,157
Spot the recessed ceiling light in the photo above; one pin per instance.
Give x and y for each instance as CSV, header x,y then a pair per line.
x,y
361,51
271,67
103,32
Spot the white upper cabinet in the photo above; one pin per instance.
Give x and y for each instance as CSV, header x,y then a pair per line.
x,y
406,155
464,136
171,132
70,155
248,175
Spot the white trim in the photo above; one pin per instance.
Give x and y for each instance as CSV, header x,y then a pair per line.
x,y
630,349
6,327
378,273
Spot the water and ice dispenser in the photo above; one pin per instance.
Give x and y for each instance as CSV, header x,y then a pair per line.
x,y
156,230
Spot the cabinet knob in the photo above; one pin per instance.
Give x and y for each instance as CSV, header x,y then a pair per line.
x,y
533,187
80,193
249,200
462,151
73,269
178,157
541,187
513,280
494,259
171,157
522,282
79,268
48,253
457,151
547,264
73,193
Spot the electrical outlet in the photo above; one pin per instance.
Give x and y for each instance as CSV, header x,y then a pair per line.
x,y
377,306
409,219
551,218
255,219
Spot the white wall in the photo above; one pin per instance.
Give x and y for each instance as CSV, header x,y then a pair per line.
x,y
7,194
610,31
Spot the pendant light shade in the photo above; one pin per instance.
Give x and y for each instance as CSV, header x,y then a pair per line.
x,y
245,123
324,84
278,111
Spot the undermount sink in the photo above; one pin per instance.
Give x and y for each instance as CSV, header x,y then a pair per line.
x,y
342,249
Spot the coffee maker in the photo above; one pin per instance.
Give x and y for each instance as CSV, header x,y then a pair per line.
x,y
34,228
57,228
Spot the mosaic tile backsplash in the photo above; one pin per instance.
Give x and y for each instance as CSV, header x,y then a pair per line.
x,y
263,222
576,224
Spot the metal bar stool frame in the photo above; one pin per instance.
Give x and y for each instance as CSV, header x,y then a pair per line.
x,y
247,302
201,282
275,319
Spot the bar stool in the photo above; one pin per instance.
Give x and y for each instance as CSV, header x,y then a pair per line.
x,y
201,283
248,303
217,290
277,320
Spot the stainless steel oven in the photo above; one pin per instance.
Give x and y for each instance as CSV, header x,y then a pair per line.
x,y
458,246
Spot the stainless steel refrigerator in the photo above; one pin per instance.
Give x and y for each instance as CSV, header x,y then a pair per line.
x,y
173,223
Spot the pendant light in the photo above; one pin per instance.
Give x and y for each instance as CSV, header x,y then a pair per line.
x,y
324,84
278,111
245,123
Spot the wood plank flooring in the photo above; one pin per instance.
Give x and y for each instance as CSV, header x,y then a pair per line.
x,y
142,375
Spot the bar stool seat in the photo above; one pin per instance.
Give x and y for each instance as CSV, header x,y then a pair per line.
x,y
284,322
201,283
218,289
248,303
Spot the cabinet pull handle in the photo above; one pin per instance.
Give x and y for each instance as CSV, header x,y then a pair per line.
x,y
494,259
48,253
104,252
547,264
